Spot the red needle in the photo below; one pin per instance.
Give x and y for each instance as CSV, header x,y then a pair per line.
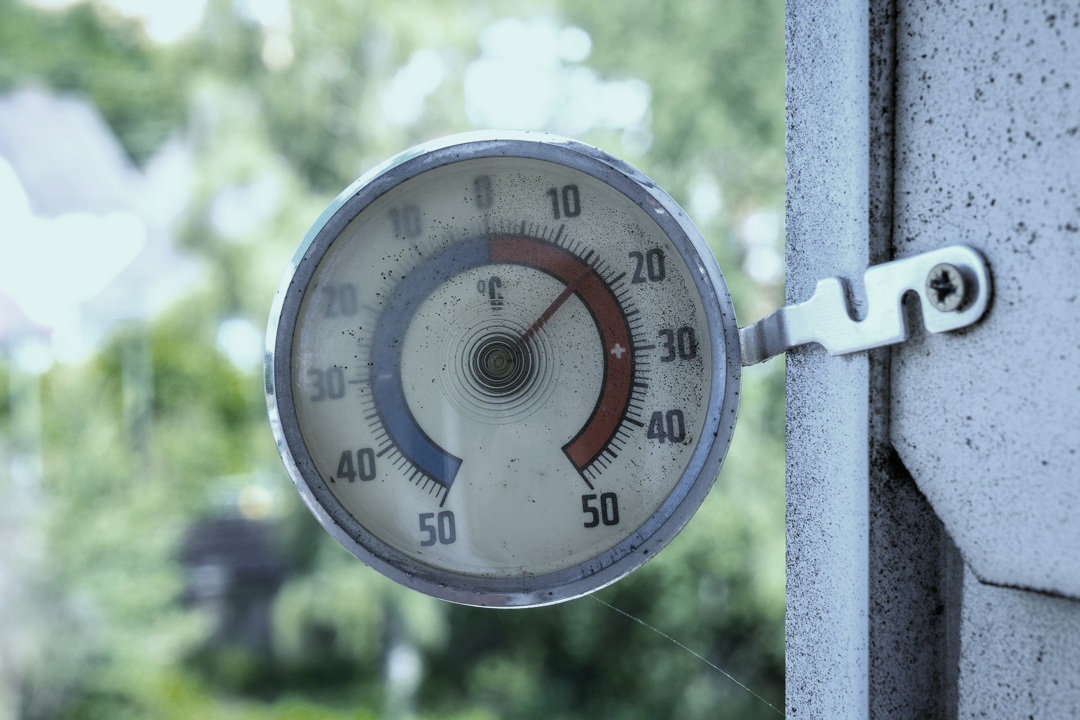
x,y
557,303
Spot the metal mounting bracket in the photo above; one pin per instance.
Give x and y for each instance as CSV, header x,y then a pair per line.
x,y
953,284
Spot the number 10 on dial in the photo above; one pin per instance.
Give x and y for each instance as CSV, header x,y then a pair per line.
x,y
503,369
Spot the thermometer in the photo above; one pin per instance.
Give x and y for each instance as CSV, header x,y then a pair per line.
x,y
503,369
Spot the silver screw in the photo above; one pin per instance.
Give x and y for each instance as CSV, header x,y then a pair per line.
x,y
945,287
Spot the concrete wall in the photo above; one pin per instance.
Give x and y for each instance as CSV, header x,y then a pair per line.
x,y
827,410
934,488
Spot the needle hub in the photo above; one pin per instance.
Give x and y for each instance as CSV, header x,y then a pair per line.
x,y
501,365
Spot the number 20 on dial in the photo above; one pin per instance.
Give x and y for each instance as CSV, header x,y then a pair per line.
x,y
503,369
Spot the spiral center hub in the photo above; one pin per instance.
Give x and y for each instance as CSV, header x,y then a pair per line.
x,y
501,365
483,368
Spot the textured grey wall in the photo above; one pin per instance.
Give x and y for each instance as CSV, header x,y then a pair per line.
x,y
947,467
827,422
988,153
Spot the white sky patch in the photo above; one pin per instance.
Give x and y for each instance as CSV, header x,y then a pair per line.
x,y
165,21
526,78
52,264
590,102
403,668
403,101
238,211
706,203
574,44
33,355
760,233
170,176
241,342
275,18
277,51
268,13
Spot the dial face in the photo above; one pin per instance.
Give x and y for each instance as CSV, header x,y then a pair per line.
x,y
507,376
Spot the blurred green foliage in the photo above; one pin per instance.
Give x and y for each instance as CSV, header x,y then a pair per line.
x,y
134,85
108,636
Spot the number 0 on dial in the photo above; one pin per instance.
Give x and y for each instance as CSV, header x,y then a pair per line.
x,y
503,369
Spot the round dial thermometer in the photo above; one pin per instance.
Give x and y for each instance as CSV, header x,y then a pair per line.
x,y
503,370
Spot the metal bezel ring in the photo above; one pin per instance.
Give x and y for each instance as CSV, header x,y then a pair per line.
x,y
687,495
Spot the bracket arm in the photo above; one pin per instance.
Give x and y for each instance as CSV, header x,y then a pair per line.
x,y
953,284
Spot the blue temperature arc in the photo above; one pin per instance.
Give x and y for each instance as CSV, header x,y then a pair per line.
x,y
411,441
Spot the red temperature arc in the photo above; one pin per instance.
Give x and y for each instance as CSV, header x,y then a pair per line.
x,y
593,438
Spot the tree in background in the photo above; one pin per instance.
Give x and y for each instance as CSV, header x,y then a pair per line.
x,y
280,107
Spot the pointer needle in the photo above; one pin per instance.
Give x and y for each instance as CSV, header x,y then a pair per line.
x,y
557,303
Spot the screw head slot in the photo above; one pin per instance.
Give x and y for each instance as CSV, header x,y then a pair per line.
x,y
945,287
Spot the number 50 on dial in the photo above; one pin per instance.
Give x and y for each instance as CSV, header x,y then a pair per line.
x,y
503,369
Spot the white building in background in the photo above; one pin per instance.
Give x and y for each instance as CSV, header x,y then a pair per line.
x,y
84,234
84,244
